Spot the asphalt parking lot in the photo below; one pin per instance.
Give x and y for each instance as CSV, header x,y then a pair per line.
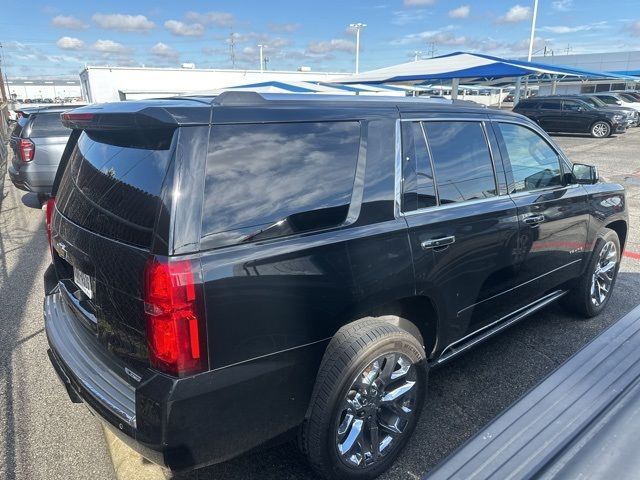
x,y
43,435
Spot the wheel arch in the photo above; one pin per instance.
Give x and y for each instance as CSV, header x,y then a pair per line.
x,y
620,227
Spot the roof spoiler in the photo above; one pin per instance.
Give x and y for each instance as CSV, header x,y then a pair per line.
x,y
98,118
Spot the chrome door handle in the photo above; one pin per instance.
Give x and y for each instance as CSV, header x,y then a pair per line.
x,y
438,242
534,220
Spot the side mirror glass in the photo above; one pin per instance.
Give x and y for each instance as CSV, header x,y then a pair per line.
x,y
584,174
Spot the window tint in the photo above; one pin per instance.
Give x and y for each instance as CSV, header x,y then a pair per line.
x,y
269,180
114,190
609,100
461,159
551,105
417,178
534,163
48,125
573,106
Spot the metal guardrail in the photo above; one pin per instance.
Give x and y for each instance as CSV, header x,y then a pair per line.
x,y
547,433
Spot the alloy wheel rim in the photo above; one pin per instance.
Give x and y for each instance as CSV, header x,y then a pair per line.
x,y
376,410
600,129
604,274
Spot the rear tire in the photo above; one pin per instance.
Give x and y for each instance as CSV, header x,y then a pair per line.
x,y
593,289
600,129
366,402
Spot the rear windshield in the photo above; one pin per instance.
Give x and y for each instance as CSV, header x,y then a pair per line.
x,y
17,129
48,125
112,184
270,180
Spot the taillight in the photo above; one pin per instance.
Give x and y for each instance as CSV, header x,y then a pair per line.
x,y
27,149
51,206
175,323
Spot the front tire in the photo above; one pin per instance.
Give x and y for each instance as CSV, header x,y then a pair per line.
x,y
593,289
366,402
600,129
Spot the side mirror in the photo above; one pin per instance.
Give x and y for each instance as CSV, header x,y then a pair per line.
x,y
584,174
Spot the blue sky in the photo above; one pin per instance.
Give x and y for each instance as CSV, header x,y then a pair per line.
x,y
59,38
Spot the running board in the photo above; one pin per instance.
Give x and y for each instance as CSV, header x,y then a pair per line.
x,y
490,330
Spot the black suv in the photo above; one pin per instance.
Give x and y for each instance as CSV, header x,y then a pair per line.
x,y
232,270
571,115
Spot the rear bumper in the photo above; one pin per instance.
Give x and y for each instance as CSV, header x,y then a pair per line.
x,y
189,422
32,177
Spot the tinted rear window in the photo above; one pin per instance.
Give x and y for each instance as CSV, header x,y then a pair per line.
x,y
268,180
48,125
112,184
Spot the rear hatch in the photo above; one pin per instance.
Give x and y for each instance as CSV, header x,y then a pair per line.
x,y
108,201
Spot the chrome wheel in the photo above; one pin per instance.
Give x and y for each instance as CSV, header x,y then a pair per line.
x,y
604,274
601,129
377,410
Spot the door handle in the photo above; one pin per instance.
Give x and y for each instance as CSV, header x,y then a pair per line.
x,y
534,220
438,242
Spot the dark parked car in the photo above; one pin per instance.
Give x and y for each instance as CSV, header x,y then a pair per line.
x,y
633,116
233,270
571,115
38,140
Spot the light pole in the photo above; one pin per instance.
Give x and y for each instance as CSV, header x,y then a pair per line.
x,y
357,27
261,46
533,29
416,54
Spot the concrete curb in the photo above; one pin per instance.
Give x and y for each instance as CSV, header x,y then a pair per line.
x,y
129,464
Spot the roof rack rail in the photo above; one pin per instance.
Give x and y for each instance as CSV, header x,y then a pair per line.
x,y
239,98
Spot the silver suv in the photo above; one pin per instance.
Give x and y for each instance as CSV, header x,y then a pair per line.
x,y
38,140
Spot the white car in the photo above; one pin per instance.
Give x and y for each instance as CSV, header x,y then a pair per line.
x,y
611,98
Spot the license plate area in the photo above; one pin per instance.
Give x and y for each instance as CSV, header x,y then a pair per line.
x,y
84,282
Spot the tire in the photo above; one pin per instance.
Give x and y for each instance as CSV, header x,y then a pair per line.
x,y
580,298
600,129
350,397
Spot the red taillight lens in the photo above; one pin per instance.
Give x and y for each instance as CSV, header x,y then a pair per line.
x,y
175,324
51,206
27,149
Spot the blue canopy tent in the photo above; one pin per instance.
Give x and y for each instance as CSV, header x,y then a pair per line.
x,y
470,66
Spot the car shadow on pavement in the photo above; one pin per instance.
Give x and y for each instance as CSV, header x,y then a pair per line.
x,y
465,394
14,304
31,200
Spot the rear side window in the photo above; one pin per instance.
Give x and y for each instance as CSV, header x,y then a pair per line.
x,y
462,164
270,180
551,105
112,183
533,162
48,125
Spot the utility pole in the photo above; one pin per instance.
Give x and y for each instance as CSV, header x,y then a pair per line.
x,y
416,55
568,49
232,49
432,49
261,46
266,62
357,27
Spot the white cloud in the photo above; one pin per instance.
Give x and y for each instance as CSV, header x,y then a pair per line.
x,y
562,5
404,17
284,27
460,12
163,50
517,13
418,3
123,23
68,21
634,28
221,19
70,43
560,29
108,46
442,36
184,29
330,46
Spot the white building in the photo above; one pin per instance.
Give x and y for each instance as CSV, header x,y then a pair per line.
x,y
36,89
112,84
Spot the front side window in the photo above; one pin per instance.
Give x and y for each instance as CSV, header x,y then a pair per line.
x,y
573,106
533,162
461,160
270,180
551,105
